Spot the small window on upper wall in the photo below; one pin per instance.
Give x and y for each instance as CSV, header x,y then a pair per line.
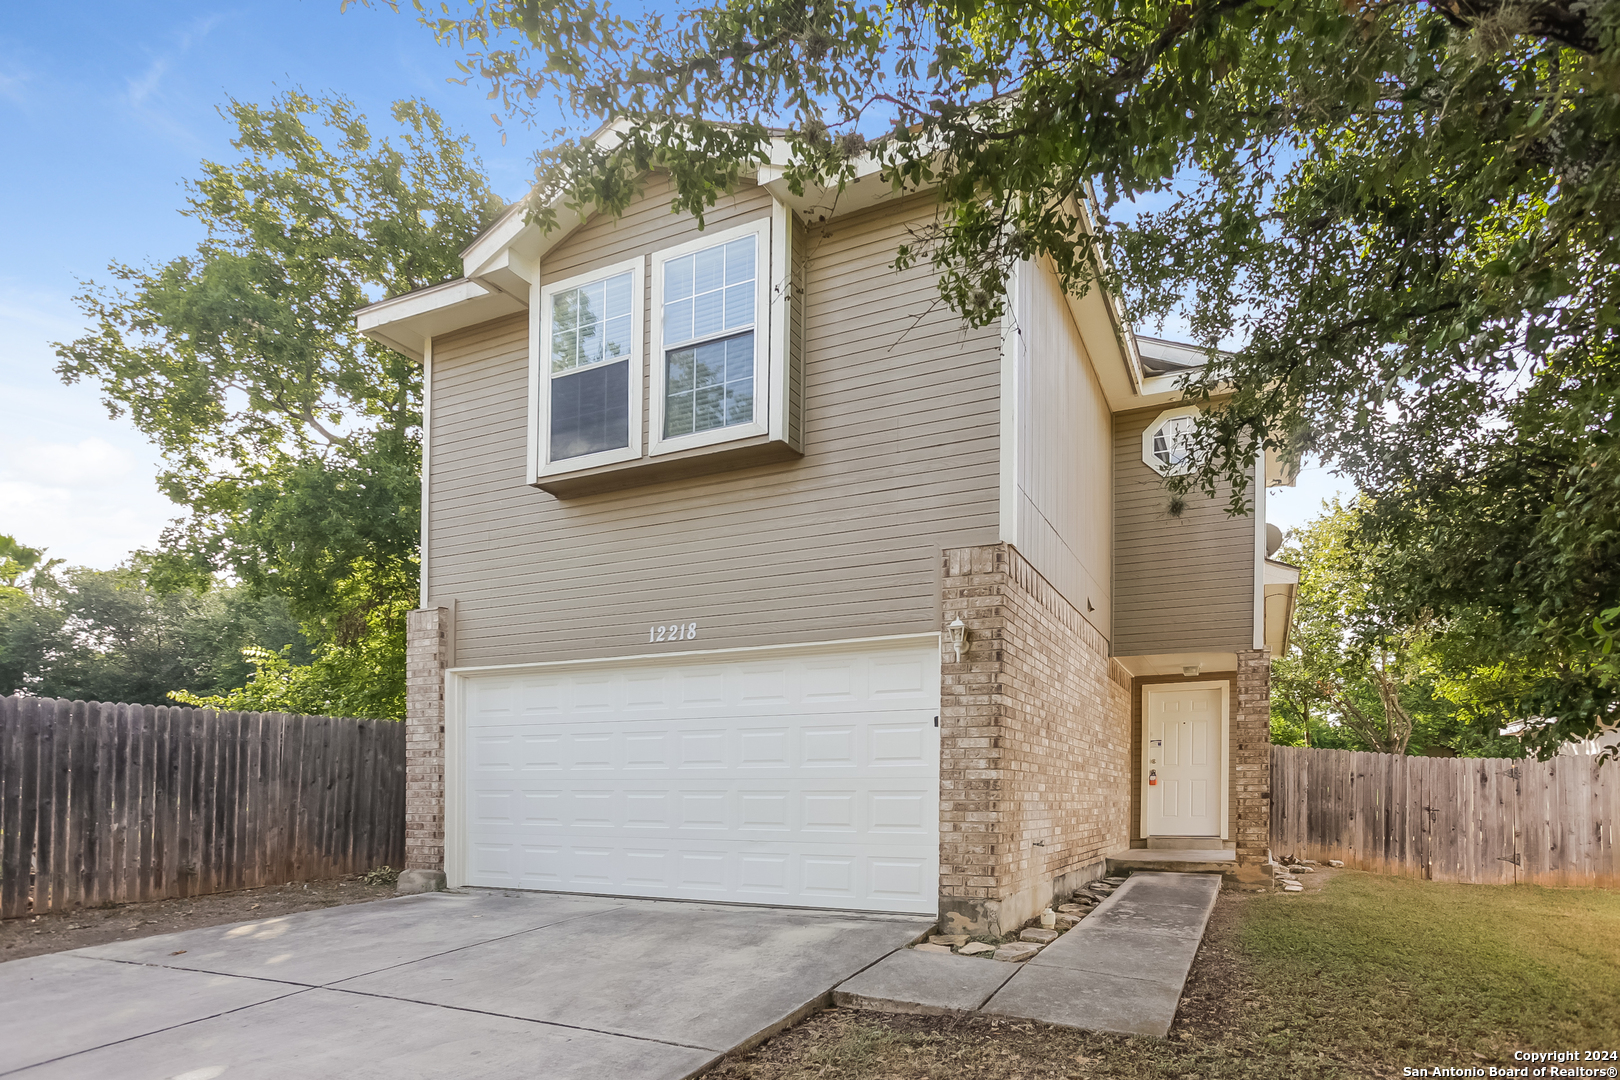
x,y
1164,443
590,390
709,368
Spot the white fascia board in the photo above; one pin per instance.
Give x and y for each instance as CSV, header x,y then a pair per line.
x,y
1108,349
406,323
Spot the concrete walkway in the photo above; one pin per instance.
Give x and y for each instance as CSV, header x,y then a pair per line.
x,y
472,984
1121,970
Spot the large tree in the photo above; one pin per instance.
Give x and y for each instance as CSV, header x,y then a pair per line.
x,y
292,441
1364,675
1400,217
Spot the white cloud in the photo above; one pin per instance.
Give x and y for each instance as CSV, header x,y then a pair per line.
x,y
140,89
71,479
89,502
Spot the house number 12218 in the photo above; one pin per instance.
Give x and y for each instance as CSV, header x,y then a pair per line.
x,y
672,632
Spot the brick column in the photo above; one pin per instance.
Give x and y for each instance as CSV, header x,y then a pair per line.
x,y
1035,740
1251,755
970,780
427,648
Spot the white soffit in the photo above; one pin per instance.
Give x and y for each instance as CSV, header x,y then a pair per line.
x,y
1281,573
1177,663
405,323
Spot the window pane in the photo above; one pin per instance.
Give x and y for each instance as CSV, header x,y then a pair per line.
x,y
562,349
618,298
710,386
739,402
740,357
590,411
678,321
681,365
711,364
710,410
616,339
707,317
740,261
678,278
678,415
739,305
709,270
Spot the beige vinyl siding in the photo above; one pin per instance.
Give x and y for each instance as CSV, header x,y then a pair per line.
x,y
1181,584
900,427
1063,488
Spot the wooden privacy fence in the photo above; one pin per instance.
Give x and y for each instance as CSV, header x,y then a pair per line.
x,y
1481,820
112,803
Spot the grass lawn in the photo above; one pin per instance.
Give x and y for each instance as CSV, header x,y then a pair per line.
x,y
1359,976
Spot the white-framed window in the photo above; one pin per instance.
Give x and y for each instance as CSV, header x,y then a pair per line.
x,y
711,340
1165,442
590,370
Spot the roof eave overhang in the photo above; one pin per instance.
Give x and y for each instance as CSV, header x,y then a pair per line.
x,y
406,323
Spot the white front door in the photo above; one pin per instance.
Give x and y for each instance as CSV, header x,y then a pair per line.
x,y
800,776
1181,761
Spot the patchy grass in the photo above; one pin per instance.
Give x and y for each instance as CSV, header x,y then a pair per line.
x,y
1359,976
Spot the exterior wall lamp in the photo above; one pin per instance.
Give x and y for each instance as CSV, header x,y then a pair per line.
x,y
958,631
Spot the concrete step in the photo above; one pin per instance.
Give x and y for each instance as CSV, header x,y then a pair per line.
x,y
1142,860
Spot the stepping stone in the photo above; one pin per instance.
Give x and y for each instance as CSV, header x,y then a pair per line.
x,y
1040,937
948,939
1114,880
946,949
1074,909
1334,862
1293,888
976,948
1017,952
1068,922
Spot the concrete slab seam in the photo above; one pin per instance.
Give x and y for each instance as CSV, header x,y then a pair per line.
x,y
158,1031
463,948
508,1016
203,971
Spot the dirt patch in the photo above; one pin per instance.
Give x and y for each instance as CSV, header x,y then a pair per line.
x,y
32,935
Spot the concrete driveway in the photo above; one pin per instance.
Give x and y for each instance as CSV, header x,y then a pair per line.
x,y
467,984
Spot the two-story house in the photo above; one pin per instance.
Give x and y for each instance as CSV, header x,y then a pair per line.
x,y
750,573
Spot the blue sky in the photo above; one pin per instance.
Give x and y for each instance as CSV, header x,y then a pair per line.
x,y
104,110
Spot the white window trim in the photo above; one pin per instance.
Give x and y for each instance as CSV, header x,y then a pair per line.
x,y
765,343
542,375
1148,457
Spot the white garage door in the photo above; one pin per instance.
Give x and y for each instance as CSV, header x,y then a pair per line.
x,y
801,776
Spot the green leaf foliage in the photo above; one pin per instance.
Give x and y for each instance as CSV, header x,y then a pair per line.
x,y
107,635
292,441
1400,219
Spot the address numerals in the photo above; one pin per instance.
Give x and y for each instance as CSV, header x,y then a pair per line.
x,y
672,632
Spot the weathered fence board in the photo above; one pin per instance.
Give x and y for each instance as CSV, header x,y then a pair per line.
x,y
106,804
1479,820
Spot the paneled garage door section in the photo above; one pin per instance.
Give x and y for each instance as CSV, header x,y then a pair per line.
x,y
797,777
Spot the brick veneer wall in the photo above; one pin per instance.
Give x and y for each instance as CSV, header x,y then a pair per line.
x,y
1035,744
427,654
1251,756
